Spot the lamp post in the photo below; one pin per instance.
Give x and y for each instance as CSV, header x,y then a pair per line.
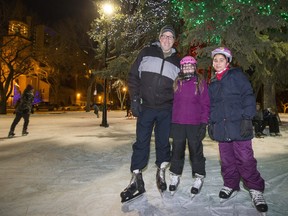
x,y
108,10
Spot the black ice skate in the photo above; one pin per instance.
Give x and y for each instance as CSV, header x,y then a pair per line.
x,y
258,201
226,193
174,182
160,177
25,133
11,134
197,185
259,135
134,189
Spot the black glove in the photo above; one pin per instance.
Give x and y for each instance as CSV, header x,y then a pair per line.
x,y
210,131
202,131
136,106
246,129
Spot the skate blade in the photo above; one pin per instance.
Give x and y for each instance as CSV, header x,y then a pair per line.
x,y
192,196
161,192
136,196
164,193
260,213
172,193
225,200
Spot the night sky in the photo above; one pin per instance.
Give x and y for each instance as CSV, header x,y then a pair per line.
x,y
51,11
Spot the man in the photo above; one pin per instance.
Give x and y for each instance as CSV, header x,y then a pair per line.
x,y
150,83
23,110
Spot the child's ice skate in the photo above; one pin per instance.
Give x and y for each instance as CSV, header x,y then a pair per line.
x,y
174,182
197,185
226,193
134,189
11,134
160,178
258,201
25,133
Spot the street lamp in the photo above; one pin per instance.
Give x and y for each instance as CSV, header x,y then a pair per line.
x,y
78,96
107,10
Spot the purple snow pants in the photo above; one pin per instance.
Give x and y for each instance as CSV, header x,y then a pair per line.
x,y
237,161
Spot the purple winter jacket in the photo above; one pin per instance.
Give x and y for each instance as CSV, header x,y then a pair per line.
x,y
190,107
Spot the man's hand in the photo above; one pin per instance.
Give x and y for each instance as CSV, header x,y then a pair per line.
x,y
136,108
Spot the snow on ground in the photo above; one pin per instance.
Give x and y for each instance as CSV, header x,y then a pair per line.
x,y
70,166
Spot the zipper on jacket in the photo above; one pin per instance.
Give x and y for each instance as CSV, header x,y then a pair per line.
x,y
226,135
159,79
161,72
162,66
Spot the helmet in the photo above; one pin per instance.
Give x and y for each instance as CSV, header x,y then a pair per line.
x,y
188,60
224,51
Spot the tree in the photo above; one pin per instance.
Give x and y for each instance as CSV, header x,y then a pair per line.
x,y
135,24
15,55
16,59
121,90
255,31
66,58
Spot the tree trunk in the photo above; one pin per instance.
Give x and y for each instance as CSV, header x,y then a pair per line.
x,y
88,99
3,106
269,94
89,90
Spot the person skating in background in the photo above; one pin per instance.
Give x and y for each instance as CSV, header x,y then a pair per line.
x,y
128,107
23,109
232,110
96,110
150,83
190,114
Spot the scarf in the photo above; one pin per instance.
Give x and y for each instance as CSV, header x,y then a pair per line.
x,y
220,74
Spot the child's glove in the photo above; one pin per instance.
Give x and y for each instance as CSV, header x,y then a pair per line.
x,y
246,128
136,106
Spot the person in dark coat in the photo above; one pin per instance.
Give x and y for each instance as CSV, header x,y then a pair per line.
x,y
150,83
23,109
128,107
232,108
270,119
96,110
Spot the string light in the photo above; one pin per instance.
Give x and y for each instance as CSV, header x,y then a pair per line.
x,y
201,17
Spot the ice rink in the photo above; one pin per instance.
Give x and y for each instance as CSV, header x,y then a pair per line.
x,y
70,166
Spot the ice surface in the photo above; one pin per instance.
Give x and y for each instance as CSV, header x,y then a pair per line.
x,y
68,165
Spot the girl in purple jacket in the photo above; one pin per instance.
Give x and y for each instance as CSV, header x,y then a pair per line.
x,y
190,114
